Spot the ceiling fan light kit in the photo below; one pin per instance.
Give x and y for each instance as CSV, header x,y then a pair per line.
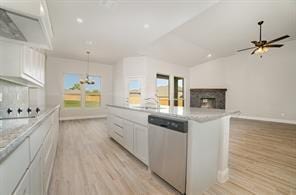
x,y
262,46
87,80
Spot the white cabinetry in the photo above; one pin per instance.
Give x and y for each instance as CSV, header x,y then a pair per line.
x,y
13,168
36,175
24,187
22,64
27,170
33,20
141,142
129,128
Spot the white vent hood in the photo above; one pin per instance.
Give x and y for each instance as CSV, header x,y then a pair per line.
x,y
28,23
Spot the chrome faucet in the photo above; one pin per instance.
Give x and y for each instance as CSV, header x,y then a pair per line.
x,y
156,101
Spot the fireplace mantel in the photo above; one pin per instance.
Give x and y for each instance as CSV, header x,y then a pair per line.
x,y
200,96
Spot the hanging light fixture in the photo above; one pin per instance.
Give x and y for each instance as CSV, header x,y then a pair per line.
x,y
87,80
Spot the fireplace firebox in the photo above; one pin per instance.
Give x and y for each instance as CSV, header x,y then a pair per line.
x,y
208,98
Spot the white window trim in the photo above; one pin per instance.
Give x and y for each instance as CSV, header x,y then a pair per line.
x,y
82,97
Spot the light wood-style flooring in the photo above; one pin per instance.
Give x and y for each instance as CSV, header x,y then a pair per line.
x,y
88,162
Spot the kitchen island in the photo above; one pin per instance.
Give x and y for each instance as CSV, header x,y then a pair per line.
x,y
207,139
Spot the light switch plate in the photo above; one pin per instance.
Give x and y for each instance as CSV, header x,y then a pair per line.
x,y
0,96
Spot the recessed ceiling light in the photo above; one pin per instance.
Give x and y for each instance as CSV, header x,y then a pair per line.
x,y
79,20
146,26
209,55
89,42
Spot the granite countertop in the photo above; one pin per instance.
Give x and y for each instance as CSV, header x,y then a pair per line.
x,y
191,113
14,131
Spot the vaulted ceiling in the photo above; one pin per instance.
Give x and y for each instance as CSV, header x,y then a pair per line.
x,y
183,32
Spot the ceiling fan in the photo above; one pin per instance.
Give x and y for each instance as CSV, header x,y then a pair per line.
x,y
263,46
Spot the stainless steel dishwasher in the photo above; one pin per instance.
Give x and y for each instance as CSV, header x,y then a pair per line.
x,y
168,149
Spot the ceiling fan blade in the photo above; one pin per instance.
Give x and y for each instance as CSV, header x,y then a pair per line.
x,y
254,50
246,49
274,45
278,39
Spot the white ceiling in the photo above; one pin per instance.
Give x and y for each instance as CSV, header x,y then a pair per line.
x,y
181,31
116,28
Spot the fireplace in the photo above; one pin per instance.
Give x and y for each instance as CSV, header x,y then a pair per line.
x,y
208,98
208,102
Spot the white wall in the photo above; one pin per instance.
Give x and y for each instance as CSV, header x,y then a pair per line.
x,y
258,87
145,68
55,70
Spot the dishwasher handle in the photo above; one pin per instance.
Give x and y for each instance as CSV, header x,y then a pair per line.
x,y
169,123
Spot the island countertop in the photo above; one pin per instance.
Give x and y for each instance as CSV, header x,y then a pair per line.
x,y
185,113
14,131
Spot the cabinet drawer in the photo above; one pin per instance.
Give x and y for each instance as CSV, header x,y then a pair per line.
x,y
14,167
37,137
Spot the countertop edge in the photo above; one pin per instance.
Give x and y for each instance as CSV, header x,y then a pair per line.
x,y
13,145
200,120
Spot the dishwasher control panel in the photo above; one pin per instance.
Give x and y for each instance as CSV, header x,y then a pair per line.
x,y
169,123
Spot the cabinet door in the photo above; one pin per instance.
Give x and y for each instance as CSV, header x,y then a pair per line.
x,y
24,186
141,142
42,68
47,160
36,175
128,129
28,61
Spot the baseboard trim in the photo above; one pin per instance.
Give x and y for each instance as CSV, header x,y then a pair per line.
x,y
265,119
82,117
223,175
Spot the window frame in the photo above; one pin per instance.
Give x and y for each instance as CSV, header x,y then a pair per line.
x,y
132,78
168,77
83,92
176,91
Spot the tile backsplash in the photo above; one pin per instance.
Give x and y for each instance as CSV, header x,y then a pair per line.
x,y
13,96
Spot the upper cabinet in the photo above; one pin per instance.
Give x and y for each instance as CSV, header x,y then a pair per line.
x,y
26,21
22,64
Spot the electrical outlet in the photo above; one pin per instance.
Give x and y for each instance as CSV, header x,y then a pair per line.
x,y
17,96
1,97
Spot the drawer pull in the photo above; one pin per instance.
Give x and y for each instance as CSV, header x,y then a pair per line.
x,y
118,134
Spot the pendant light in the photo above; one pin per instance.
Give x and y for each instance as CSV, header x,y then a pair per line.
x,y
87,80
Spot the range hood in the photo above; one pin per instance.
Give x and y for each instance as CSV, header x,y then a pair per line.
x,y
25,28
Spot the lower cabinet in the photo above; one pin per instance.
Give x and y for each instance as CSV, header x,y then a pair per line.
x,y
36,175
128,129
132,136
24,187
141,142
27,170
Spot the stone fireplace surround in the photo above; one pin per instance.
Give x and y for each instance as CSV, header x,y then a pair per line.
x,y
200,96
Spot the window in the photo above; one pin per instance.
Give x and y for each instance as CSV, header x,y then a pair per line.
x,y
163,89
134,92
72,91
179,91
93,92
85,95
